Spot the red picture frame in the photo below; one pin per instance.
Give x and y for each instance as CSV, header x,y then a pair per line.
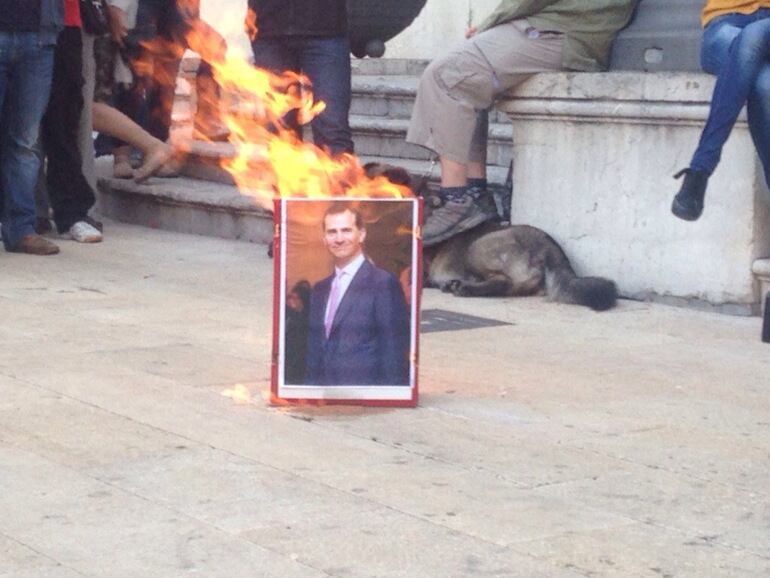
x,y
301,264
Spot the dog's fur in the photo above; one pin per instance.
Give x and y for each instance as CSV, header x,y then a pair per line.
x,y
504,260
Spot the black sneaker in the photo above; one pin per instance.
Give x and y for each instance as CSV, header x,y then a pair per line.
x,y
458,214
688,203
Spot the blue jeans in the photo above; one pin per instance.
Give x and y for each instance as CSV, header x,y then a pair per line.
x,y
736,48
326,62
26,69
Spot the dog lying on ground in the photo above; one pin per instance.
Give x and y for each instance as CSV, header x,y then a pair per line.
x,y
495,260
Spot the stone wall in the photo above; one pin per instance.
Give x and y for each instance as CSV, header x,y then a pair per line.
x,y
593,160
440,25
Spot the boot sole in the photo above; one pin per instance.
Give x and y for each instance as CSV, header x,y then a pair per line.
x,y
461,227
684,213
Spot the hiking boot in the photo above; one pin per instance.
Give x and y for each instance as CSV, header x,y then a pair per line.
x,y
459,213
688,203
35,245
82,232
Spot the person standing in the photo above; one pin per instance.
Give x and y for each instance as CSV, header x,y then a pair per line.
x,y
70,194
520,38
310,37
28,33
736,48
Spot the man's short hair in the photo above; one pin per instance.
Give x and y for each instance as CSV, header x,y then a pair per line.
x,y
340,207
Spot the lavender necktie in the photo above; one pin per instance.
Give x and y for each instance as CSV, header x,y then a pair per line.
x,y
334,301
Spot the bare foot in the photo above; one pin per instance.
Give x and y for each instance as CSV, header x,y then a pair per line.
x,y
154,162
122,170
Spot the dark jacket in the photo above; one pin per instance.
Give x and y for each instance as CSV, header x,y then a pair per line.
x,y
300,17
26,16
369,339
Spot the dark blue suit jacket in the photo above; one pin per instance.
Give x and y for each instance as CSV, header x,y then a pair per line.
x,y
369,339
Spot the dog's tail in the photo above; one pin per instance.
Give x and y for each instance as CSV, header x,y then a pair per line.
x,y
564,286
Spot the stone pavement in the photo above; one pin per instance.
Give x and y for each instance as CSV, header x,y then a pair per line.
x,y
630,443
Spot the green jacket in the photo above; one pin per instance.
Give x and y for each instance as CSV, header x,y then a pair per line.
x,y
589,26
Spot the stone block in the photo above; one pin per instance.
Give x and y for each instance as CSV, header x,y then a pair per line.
x,y
594,155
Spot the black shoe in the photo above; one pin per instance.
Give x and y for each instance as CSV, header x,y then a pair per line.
x,y
688,203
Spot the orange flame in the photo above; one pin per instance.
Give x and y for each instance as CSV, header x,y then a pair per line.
x,y
250,25
269,159
239,393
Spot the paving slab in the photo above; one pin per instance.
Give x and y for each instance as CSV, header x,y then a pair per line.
x,y
631,443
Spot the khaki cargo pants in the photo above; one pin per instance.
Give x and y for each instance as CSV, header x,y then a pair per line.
x,y
456,90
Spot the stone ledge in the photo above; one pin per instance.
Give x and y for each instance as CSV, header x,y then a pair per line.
x,y
621,97
689,87
594,155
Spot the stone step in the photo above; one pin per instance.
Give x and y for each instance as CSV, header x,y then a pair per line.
x,y
205,202
373,95
184,205
383,96
392,97
388,67
203,161
385,137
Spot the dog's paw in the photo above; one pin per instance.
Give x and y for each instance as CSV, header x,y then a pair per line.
x,y
454,286
460,289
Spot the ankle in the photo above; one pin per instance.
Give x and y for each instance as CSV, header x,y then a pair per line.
x,y
453,193
477,183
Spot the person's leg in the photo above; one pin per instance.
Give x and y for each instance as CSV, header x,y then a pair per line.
x,y
759,118
453,91
161,87
477,158
326,62
747,39
85,129
747,55
199,36
207,122
42,206
70,194
278,56
28,69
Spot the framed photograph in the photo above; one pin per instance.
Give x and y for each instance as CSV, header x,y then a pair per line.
x,y
348,275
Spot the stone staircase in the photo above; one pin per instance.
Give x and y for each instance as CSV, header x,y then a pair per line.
x,y
383,95
384,91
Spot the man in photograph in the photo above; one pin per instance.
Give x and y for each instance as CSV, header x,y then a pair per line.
x,y
359,320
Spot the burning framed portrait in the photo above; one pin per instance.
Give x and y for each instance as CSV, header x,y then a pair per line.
x,y
346,308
